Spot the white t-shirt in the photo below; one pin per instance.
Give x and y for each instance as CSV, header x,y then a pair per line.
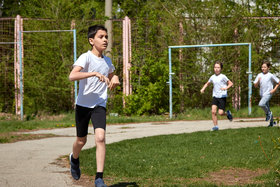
x,y
219,81
266,83
93,92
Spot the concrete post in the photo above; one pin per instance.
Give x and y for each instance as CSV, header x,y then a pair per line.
x,y
127,88
108,25
18,27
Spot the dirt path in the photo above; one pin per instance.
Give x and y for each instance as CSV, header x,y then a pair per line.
x,y
30,163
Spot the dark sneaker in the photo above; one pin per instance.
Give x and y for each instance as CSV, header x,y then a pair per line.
x,y
271,124
74,168
229,116
215,128
99,183
269,116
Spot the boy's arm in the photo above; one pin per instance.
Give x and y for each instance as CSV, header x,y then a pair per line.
x,y
114,81
204,87
275,88
256,84
76,75
229,84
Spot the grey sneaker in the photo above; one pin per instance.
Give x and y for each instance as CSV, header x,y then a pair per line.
x,y
74,168
99,183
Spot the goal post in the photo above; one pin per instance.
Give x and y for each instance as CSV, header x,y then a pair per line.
x,y
249,72
20,60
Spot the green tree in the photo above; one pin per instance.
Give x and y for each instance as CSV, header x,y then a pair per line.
x,y
9,8
155,26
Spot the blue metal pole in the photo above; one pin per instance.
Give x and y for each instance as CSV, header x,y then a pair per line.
x,y
20,76
75,58
209,45
170,83
250,81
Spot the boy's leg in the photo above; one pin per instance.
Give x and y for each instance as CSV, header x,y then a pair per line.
x,y
100,149
270,116
74,157
222,107
100,156
264,104
98,118
214,108
78,145
221,112
228,114
82,116
215,118
214,115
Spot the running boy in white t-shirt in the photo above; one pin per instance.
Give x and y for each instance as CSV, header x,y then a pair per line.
x,y
266,80
95,74
221,83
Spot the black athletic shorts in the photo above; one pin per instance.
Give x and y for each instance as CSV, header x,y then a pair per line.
x,y
220,102
84,114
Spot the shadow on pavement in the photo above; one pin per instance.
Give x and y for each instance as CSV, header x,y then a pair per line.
x,y
125,184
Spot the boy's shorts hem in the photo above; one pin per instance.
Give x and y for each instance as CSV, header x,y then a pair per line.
x,y
83,115
220,102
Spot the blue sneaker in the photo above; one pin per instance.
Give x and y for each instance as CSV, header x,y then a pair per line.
x,y
74,168
229,115
268,116
215,128
99,183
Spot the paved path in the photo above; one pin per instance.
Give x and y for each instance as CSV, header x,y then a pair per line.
x,y
29,163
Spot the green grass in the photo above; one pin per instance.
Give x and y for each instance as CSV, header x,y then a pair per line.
x,y
15,125
171,160
199,114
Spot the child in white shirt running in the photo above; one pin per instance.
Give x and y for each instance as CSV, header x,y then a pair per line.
x,y
266,81
221,84
95,73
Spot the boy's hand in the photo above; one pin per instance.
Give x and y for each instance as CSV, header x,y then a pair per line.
x,y
114,82
223,88
102,78
202,91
